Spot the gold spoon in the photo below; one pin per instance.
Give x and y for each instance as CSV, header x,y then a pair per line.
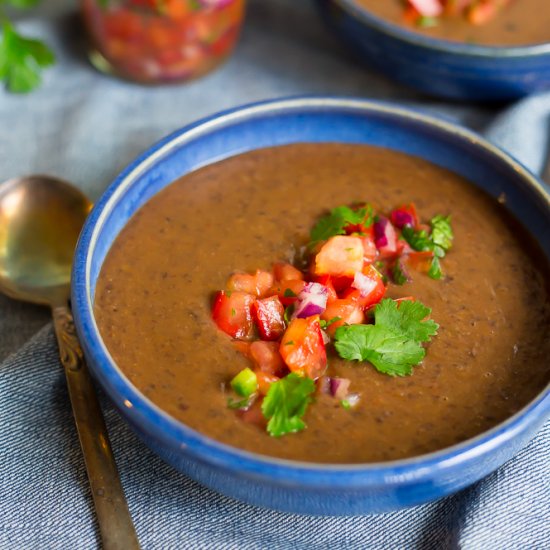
x,y
40,220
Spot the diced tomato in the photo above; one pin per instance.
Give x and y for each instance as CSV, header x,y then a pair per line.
x,y
326,281
368,287
483,11
403,247
242,282
348,311
421,261
266,357
364,302
269,316
264,381
223,44
428,8
340,256
364,231
257,284
232,313
286,272
455,7
288,291
176,9
356,230
354,295
370,252
151,4
242,347
341,284
405,215
303,349
123,24
264,281
411,15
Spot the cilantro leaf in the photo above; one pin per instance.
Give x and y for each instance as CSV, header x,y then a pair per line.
x,y
407,318
442,232
387,352
399,274
393,344
239,403
439,241
285,404
418,240
21,60
23,4
335,222
435,269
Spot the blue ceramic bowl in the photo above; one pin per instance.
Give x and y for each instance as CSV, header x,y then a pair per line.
x,y
281,484
438,67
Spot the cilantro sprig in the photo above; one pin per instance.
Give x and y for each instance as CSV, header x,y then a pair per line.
x,y
21,59
439,241
336,221
393,345
285,404
442,232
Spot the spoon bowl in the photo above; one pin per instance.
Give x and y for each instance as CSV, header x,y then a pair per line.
x,y
40,220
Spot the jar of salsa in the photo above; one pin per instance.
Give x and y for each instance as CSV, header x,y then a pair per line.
x,y
161,40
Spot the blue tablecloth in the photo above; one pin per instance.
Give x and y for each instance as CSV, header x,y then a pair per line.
x,y
85,127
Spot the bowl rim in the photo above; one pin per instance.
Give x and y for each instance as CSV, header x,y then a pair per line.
x,y
366,17
173,433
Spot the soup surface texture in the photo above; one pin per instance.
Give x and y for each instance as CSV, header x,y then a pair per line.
x,y
154,295
521,23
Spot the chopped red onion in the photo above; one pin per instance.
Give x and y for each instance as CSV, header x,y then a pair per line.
x,y
326,337
364,284
401,218
353,399
323,384
428,8
312,300
339,387
384,235
215,3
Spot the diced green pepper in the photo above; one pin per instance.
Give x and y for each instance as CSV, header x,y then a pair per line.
x,y
425,22
245,383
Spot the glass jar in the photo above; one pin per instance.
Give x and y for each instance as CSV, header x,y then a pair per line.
x,y
161,40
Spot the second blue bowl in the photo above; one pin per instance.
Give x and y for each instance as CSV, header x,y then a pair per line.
x,y
442,68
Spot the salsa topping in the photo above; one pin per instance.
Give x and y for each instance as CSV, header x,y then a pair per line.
x,y
427,13
285,320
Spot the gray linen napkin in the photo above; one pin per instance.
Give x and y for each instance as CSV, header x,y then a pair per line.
x,y
85,127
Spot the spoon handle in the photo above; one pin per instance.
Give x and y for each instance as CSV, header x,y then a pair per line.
x,y
115,523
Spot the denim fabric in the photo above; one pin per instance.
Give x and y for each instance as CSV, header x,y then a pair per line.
x,y
45,501
84,127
